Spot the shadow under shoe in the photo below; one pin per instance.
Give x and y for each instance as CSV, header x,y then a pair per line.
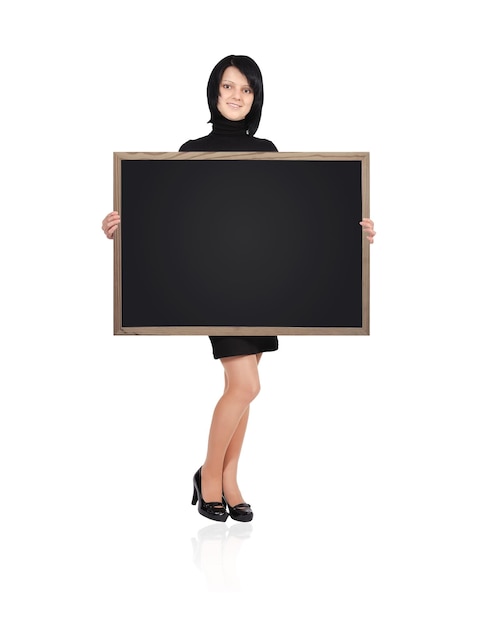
x,y
212,510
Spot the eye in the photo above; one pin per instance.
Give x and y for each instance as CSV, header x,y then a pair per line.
x,y
248,91
226,86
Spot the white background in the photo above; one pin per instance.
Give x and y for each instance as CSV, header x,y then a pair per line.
x,y
362,458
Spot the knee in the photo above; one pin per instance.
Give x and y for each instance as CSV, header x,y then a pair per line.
x,y
247,391
254,390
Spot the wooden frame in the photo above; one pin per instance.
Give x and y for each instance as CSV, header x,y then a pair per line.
x,y
121,328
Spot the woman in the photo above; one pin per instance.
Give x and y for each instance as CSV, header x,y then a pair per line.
x,y
235,98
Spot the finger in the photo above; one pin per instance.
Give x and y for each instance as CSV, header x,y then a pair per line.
x,y
108,223
113,215
108,231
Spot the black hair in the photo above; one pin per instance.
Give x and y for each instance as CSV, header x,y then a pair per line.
x,y
250,69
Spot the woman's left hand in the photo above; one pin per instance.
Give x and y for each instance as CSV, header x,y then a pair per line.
x,y
368,228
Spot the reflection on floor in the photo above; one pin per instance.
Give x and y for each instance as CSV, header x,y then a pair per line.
x,y
215,552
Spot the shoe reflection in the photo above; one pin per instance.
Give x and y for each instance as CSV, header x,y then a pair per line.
x,y
215,551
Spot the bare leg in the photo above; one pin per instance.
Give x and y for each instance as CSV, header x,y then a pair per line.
x,y
241,388
230,486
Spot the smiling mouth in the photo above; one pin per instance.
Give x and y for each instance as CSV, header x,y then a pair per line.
x,y
234,106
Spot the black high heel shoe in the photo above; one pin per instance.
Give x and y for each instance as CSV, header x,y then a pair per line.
x,y
212,510
241,512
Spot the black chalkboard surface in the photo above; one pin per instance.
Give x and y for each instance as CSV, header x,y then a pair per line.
x,y
241,243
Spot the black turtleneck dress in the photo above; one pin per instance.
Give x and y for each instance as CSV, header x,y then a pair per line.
x,y
228,136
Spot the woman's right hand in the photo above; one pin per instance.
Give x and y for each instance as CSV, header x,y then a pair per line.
x,y
110,224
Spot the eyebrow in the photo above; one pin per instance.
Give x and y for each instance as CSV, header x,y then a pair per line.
x,y
232,81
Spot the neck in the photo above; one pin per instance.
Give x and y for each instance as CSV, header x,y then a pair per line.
x,y
223,126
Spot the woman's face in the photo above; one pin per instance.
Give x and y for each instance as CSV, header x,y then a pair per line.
x,y
235,95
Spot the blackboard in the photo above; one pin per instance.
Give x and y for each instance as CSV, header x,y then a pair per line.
x,y
237,243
